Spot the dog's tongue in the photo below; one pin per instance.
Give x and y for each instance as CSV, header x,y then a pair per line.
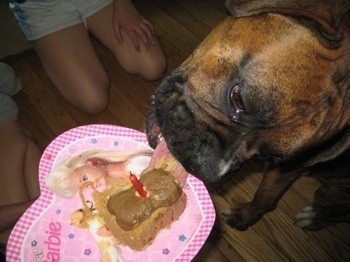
x,y
162,159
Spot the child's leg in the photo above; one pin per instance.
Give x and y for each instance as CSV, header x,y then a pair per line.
x,y
150,65
72,64
19,187
13,146
19,161
31,166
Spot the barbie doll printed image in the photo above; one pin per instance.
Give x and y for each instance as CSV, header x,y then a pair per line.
x,y
105,168
100,167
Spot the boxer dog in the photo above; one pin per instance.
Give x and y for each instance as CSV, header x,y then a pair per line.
x,y
272,81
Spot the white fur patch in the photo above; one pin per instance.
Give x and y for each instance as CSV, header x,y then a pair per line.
x,y
305,217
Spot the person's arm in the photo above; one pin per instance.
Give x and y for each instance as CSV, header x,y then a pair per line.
x,y
127,18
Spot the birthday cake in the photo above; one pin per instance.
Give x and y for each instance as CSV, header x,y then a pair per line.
x,y
135,219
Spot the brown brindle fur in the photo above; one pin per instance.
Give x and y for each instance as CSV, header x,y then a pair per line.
x,y
270,45
291,63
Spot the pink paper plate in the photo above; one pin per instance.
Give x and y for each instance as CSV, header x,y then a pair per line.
x,y
44,231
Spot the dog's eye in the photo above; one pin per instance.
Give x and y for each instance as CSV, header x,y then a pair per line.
x,y
237,102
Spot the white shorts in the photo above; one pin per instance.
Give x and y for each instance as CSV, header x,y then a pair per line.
x,y
38,18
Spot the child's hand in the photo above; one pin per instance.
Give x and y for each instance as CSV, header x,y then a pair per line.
x,y
127,17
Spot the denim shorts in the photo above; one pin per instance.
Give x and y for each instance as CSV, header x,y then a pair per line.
x,y
38,18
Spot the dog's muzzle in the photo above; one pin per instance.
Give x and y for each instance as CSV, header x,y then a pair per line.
x,y
201,150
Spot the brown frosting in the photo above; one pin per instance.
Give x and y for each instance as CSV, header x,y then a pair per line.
x,y
130,210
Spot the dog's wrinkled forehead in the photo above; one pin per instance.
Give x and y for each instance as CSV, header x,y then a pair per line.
x,y
257,57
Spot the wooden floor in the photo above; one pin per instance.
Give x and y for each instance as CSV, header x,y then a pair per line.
x,y
182,25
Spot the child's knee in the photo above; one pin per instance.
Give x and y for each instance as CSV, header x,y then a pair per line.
x,y
13,140
93,98
95,104
154,69
150,68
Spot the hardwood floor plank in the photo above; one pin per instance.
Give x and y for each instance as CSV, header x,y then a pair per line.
x,y
210,13
185,13
170,28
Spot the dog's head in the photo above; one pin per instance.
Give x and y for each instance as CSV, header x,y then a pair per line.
x,y
271,81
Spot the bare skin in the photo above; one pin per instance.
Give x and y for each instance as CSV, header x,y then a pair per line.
x,y
19,187
72,64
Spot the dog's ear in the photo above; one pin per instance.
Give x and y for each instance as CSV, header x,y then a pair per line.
x,y
331,150
327,14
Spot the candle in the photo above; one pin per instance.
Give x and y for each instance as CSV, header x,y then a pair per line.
x,y
138,185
